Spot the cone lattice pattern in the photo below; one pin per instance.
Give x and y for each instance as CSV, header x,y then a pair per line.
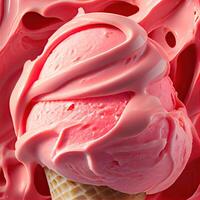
x,y
62,189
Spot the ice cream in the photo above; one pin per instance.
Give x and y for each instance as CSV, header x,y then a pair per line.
x,y
22,39
101,84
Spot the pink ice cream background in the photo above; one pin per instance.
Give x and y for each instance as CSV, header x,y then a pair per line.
x,y
40,34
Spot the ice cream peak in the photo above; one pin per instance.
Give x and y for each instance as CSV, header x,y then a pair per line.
x,y
102,110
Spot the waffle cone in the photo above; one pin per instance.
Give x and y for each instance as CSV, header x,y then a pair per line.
x,y
63,189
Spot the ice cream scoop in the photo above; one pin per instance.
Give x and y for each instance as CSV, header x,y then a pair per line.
x,y
102,109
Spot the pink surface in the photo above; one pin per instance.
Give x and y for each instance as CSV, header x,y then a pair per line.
x,y
22,39
86,119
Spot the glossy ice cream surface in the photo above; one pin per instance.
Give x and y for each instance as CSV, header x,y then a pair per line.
x,y
174,25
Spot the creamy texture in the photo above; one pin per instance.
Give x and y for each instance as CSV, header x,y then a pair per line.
x,y
121,60
22,39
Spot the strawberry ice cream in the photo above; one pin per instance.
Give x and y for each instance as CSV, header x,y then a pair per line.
x,y
25,27
101,84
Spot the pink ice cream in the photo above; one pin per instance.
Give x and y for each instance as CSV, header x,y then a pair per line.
x,y
173,24
99,108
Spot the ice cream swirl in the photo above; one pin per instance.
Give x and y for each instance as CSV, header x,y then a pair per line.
x,y
141,142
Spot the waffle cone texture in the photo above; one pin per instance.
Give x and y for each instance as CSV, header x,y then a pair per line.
x,y
63,189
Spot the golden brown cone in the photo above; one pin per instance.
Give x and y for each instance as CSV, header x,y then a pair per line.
x,y
63,189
